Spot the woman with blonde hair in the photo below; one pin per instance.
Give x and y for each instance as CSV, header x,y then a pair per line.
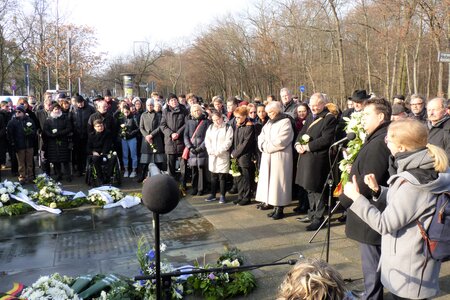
x,y
419,173
313,280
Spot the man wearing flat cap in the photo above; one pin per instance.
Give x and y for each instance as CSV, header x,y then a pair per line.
x,y
400,99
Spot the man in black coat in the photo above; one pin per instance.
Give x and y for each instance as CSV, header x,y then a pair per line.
x,y
313,143
289,105
372,158
418,109
80,116
172,125
21,135
439,124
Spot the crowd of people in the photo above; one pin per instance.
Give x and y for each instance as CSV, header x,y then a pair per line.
x,y
276,151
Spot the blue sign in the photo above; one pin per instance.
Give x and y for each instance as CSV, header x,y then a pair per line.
x,y
302,88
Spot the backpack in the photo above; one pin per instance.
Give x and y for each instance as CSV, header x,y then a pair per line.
x,y
437,237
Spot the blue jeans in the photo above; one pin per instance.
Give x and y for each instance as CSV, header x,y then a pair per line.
x,y
132,146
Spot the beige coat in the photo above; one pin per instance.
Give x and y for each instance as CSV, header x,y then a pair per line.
x,y
218,142
275,172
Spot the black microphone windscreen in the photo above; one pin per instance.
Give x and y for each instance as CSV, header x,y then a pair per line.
x,y
160,194
351,136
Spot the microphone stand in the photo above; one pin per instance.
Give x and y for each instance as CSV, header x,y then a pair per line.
x,y
327,220
167,277
157,255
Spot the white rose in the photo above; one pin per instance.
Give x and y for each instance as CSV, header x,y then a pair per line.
x,y
163,247
55,130
29,124
114,153
53,205
235,263
4,198
11,189
1,204
2,190
122,125
226,262
306,138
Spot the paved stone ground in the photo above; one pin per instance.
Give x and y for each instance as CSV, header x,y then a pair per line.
x,y
93,240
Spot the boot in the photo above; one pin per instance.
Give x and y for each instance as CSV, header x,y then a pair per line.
x,y
272,212
278,213
144,170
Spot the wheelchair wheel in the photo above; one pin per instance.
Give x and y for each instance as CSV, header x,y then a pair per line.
x,y
90,177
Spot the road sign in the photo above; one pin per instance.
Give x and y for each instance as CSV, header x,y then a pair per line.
x,y
444,57
302,88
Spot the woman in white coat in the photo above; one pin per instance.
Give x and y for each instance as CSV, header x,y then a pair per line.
x,y
218,140
275,172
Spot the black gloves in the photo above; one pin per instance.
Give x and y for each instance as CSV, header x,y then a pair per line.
x,y
193,150
199,149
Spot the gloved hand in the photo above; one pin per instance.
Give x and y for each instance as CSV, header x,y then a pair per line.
x,y
193,150
199,149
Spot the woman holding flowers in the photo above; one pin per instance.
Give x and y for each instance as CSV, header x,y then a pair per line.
x,y
243,148
22,135
275,172
58,131
152,149
129,130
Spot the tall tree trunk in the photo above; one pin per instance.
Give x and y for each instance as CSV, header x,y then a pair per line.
x,y
340,49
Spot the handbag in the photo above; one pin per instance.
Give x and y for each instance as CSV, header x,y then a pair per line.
x,y
186,150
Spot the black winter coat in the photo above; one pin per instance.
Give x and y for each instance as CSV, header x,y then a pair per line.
x,y
58,143
80,118
372,158
244,144
173,121
439,134
17,134
107,119
100,142
313,166
198,157
149,124
128,127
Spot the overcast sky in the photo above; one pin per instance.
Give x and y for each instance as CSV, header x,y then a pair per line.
x,y
119,25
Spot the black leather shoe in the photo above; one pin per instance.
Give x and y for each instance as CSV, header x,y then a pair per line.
x,y
342,218
244,202
314,225
259,205
233,191
236,201
266,207
305,219
300,210
278,213
271,213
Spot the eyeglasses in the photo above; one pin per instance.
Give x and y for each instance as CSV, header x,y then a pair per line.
x,y
416,104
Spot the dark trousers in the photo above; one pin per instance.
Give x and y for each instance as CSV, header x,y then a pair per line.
x,y
79,155
221,179
370,257
198,178
171,167
316,205
67,169
400,298
244,184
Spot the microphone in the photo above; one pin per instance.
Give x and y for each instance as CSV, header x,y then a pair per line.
x,y
350,136
160,194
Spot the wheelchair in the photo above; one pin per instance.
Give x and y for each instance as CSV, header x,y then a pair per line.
x,y
103,169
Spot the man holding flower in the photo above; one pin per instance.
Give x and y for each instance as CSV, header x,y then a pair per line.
x,y
22,135
312,144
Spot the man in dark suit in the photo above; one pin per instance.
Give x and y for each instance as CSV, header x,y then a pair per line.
x,y
313,164
372,158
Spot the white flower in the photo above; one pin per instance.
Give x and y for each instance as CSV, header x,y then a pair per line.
x,y
11,189
1,204
226,262
235,263
114,153
306,138
8,184
122,125
2,190
53,205
55,130
163,247
29,124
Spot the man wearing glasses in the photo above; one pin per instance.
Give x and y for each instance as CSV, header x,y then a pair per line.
x,y
418,109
